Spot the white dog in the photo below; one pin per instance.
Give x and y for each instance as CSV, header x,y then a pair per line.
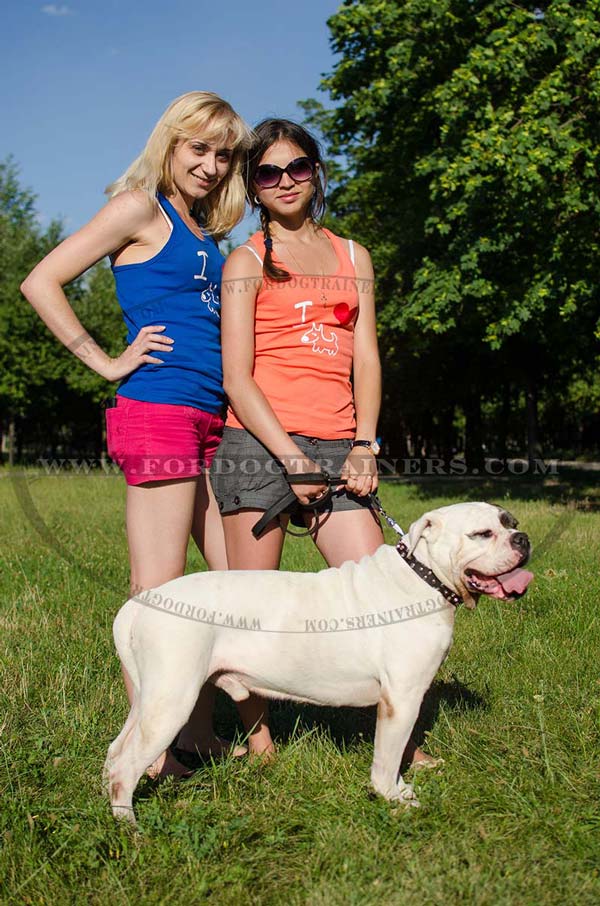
x,y
373,632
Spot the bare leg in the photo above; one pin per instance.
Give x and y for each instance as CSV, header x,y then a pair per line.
x,y
350,535
346,535
207,526
207,532
244,551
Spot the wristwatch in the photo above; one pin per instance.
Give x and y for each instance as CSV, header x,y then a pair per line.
x,y
371,445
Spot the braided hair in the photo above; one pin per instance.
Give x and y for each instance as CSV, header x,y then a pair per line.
x,y
267,133
270,269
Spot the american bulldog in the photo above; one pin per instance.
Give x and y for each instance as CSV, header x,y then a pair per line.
x,y
373,632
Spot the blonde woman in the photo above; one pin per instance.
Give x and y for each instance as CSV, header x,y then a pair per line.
x,y
160,228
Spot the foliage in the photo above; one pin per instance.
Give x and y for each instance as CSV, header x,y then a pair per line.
x,y
467,140
43,387
28,352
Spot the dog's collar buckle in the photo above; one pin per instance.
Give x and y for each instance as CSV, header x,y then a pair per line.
x,y
428,575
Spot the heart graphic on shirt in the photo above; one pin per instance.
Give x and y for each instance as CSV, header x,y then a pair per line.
x,y
344,313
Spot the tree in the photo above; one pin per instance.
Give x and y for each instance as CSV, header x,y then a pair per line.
x,y
28,352
468,137
46,395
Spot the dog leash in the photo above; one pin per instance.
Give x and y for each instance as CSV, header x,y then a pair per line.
x,y
290,499
377,505
419,568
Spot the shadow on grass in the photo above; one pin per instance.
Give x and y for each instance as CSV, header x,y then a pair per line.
x,y
568,486
348,727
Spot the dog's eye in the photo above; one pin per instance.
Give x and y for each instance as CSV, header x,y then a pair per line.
x,y
488,533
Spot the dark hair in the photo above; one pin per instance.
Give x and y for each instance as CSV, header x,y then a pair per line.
x,y
267,133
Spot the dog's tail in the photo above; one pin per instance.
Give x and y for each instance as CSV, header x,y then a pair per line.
x,y
122,630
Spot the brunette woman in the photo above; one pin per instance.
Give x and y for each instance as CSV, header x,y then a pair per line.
x,y
301,370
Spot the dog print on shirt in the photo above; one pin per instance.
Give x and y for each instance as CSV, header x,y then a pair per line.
x,y
321,342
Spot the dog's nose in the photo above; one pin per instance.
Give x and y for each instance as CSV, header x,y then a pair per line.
x,y
520,541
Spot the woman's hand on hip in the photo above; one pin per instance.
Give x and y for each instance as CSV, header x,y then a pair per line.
x,y
360,472
148,340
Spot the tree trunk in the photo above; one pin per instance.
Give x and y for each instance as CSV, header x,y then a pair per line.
x,y
504,417
18,441
473,436
447,435
11,441
534,450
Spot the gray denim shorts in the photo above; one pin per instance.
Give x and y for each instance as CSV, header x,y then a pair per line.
x,y
244,475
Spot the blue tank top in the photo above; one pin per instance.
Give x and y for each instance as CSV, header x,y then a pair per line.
x,y
179,287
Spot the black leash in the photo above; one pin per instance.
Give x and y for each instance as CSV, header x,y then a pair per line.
x,y
290,500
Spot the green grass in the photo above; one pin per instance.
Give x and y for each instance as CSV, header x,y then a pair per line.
x,y
515,711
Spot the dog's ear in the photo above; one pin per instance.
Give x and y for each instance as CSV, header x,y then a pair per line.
x,y
428,526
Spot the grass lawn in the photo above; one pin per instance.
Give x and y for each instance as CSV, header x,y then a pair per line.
x,y
512,817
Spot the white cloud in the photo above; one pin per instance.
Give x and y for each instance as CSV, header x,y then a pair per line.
x,y
51,9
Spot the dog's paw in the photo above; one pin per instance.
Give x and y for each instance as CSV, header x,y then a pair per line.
x,y
125,814
396,792
405,796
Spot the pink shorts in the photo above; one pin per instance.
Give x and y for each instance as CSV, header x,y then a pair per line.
x,y
161,441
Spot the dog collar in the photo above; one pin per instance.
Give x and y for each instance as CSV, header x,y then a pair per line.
x,y
428,575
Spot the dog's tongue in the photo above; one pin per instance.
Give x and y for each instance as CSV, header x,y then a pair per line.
x,y
516,581
506,585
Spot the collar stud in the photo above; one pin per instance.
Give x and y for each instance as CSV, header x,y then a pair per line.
x,y
428,575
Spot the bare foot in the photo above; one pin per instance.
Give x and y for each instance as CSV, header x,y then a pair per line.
x,y
414,757
166,765
263,753
260,743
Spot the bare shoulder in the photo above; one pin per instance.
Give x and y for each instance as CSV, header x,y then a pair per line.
x,y
242,262
134,209
359,252
363,256
364,265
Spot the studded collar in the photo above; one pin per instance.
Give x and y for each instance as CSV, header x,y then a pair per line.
x,y
428,575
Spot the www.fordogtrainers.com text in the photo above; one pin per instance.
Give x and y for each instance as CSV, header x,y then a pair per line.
x,y
350,623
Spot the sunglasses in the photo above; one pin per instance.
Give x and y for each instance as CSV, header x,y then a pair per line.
x,y
268,176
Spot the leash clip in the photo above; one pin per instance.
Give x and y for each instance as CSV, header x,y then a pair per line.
x,y
377,505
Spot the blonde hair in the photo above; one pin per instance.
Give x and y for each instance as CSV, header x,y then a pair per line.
x,y
195,113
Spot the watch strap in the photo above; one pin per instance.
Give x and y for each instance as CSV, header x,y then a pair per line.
x,y
371,445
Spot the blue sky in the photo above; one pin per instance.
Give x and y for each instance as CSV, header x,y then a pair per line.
x,y
84,82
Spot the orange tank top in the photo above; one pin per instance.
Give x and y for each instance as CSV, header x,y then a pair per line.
x,y
304,338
